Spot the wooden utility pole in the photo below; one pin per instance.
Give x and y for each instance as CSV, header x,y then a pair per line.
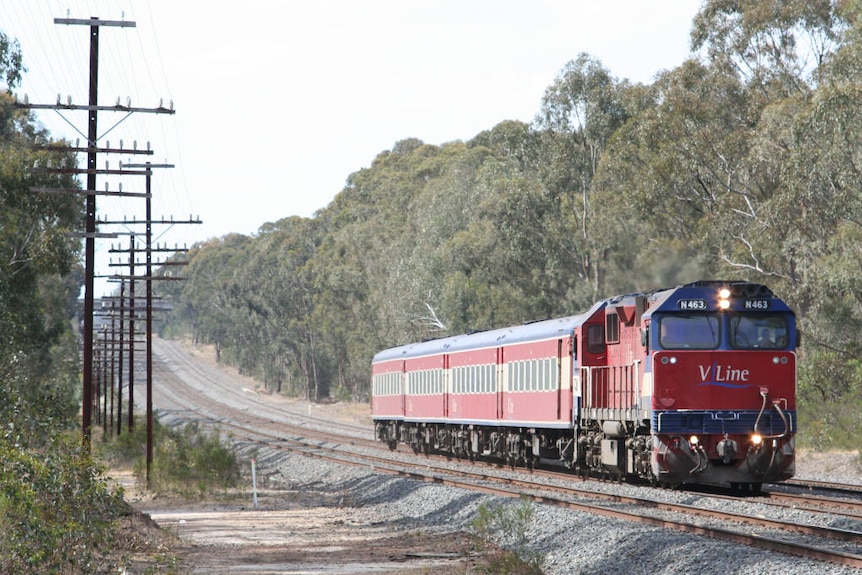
x,y
92,150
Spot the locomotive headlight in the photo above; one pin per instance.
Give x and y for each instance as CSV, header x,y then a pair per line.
x,y
756,439
694,440
723,301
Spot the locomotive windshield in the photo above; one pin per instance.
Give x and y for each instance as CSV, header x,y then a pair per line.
x,y
744,330
690,331
760,331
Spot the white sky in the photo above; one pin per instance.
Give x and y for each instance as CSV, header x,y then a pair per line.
x,y
278,101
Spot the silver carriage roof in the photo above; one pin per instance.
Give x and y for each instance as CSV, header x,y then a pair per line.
x,y
535,331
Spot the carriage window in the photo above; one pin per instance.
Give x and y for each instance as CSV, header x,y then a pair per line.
x,y
762,331
689,331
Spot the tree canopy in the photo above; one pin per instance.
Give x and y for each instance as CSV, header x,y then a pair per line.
x,y
740,163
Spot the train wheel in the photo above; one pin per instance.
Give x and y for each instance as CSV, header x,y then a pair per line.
x,y
392,444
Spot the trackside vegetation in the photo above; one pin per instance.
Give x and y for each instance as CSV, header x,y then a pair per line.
x,y
187,460
57,514
503,530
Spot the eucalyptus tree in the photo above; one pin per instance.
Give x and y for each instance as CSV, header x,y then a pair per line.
x,y
774,46
580,111
274,291
824,194
37,261
205,297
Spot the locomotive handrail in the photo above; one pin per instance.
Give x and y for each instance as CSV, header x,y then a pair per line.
x,y
764,393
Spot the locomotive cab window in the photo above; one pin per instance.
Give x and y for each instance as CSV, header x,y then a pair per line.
x,y
612,327
760,331
689,331
596,338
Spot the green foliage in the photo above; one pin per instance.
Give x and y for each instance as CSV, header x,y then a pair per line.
x,y
830,400
187,460
11,61
505,528
56,513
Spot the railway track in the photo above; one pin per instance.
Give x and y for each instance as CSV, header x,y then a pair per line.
x,y
191,394
774,535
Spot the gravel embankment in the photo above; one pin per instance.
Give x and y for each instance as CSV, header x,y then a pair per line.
x,y
570,542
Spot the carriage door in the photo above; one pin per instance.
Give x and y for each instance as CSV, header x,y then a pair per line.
x,y
558,377
501,370
402,381
593,362
444,384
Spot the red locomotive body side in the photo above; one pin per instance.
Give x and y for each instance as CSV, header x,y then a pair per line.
x,y
612,374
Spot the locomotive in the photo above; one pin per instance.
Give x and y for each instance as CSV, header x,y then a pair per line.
x,y
694,384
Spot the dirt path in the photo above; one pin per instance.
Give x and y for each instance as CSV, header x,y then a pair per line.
x,y
293,533
288,532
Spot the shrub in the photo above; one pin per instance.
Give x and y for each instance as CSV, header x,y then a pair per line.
x,y
56,513
506,526
186,460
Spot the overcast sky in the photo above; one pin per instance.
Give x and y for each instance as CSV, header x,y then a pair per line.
x,y
278,101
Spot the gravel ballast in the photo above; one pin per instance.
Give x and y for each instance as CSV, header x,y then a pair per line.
x,y
569,542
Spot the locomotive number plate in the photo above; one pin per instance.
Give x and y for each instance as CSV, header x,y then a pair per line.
x,y
691,304
758,304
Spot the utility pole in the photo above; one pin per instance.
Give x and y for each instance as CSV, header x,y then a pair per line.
x,y
92,150
148,222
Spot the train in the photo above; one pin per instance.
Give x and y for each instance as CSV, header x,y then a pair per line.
x,y
694,384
